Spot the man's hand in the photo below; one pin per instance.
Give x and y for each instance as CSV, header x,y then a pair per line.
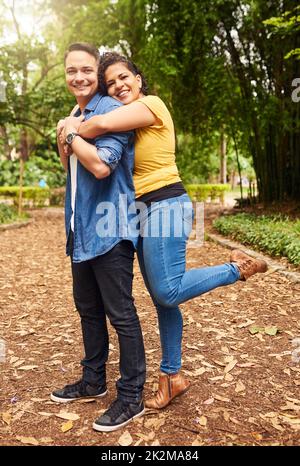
x,y
64,149
59,127
72,124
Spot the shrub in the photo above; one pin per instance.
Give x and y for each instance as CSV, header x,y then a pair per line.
x,y
277,235
32,195
57,197
204,192
9,214
36,169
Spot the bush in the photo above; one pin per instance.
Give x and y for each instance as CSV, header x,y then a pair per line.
x,y
36,169
57,197
277,235
33,196
204,192
8,214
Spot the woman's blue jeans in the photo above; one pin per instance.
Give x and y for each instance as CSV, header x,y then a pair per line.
x,y
165,228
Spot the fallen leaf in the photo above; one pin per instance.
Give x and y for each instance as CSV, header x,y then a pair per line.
x,y
13,359
197,443
240,387
46,440
202,420
293,400
257,436
27,368
67,416
192,347
155,423
39,400
209,401
44,413
66,426
226,415
247,364
291,420
222,398
155,443
246,324
230,366
271,330
125,440
228,377
199,371
276,425
148,437
6,418
254,329
27,440
138,442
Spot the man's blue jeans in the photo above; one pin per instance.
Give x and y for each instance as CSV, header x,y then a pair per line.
x,y
165,228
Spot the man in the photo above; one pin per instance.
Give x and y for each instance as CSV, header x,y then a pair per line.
x,y
99,172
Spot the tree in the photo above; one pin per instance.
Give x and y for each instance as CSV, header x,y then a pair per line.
x,y
221,65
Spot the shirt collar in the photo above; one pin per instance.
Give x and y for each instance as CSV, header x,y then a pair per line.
x,y
91,105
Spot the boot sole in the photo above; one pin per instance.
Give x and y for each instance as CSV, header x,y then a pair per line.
x,y
68,400
100,428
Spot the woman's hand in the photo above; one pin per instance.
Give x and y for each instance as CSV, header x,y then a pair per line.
x,y
72,124
91,128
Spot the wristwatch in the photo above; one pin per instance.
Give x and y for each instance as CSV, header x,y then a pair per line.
x,y
70,138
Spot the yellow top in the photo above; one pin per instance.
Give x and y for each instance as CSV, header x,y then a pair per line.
x,y
154,165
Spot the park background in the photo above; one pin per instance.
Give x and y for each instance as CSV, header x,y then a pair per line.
x,y
229,72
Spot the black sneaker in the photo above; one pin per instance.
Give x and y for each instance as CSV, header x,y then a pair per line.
x,y
118,415
78,390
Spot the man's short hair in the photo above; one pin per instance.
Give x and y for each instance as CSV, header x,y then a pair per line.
x,y
84,47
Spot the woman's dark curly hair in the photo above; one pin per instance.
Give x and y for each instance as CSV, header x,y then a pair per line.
x,y
111,58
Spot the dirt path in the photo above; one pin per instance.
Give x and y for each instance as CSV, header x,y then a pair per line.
x,y
245,388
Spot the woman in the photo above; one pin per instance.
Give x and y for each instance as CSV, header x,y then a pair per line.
x,y
162,258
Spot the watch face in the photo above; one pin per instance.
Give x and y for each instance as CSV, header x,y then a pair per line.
x,y
70,138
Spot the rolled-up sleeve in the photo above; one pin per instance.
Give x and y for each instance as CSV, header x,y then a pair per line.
x,y
108,158
111,147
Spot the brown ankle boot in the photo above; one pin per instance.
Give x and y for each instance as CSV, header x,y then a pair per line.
x,y
170,386
247,265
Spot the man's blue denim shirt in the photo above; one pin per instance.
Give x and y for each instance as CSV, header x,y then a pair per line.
x,y
101,206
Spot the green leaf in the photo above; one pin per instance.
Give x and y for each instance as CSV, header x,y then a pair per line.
x,y
254,329
271,330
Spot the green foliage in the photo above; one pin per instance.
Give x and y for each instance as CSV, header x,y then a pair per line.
x,y
32,195
276,235
57,197
36,169
287,24
9,214
197,158
219,66
204,192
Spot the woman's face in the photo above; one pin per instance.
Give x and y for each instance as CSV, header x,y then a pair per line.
x,y
122,84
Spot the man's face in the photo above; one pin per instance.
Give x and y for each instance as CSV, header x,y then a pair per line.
x,y
81,70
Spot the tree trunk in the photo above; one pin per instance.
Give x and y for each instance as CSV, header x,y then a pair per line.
x,y
6,145
223,158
